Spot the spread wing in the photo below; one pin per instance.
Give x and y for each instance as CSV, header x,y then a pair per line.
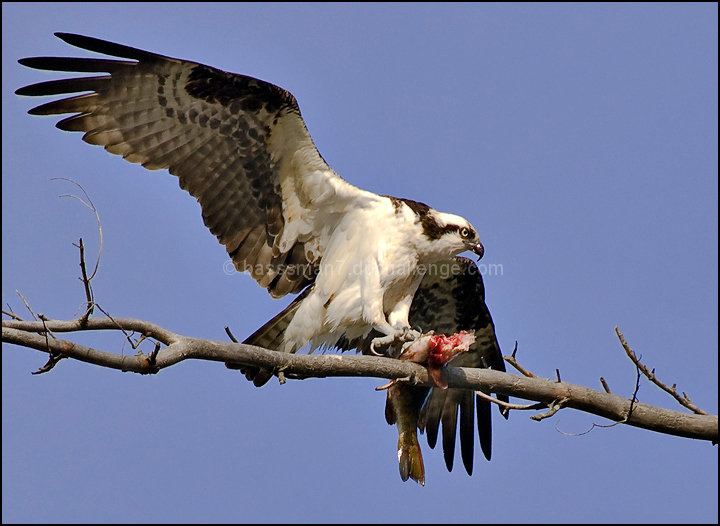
x,y
237,144
451,298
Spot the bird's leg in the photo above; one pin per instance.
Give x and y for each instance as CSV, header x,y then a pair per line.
x,y
393,339
396,326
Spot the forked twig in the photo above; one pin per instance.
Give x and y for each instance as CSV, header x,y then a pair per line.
x,y
11,314
53,357
88,203
86,283
513,361
554,408
683,400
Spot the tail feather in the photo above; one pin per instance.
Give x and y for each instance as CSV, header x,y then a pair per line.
x,y
269,336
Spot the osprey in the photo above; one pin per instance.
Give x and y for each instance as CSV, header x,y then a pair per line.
x,y
359,261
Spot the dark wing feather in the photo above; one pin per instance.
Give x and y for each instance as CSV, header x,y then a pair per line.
x,y
237,144
451,298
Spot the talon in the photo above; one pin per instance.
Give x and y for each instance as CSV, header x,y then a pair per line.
x,y
409,334
386,386
372,350
380,341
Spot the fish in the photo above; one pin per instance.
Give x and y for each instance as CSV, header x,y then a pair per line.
x,y
404,400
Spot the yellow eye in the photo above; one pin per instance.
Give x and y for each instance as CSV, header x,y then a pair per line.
x,y
464,232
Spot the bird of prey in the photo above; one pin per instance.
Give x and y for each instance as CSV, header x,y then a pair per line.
x,y
358,261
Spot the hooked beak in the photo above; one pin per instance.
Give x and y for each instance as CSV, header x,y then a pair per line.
x,y
478,249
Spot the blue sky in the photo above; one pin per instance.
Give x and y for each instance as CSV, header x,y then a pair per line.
x,y
581,141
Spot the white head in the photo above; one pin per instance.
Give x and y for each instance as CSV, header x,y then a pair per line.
x,y
443,235
451,234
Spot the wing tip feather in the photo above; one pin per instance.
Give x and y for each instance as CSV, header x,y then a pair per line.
x,y
105,47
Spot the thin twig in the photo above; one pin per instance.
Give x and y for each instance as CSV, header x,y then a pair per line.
x,y
230,335
128,337
152,358
554,408
633,400
605,385
27,305
53,357
682,400
86,283
512,361
11,314
46,330
138,341
624,420
92,207
508,405
592,426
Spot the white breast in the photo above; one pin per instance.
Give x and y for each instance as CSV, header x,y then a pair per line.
x,y
370,261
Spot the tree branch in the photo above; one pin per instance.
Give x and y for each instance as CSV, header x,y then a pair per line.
x,y
683,400
173,348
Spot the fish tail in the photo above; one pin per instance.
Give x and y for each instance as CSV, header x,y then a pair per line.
x,y
410,458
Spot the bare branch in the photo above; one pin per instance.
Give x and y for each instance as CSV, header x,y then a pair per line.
x,y
27,305
88,203
97,324
555,406
505,405
633,400
683,400
53,359
178,348
11,314
513,361
86,283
